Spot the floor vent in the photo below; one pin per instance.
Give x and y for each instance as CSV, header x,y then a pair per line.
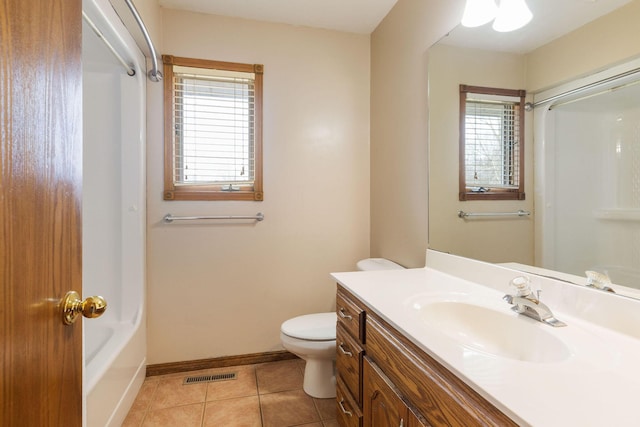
x,y
210,378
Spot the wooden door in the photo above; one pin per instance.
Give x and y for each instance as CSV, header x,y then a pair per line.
x,y
383,406
40,211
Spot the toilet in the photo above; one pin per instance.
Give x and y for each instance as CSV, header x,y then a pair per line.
x,y
312,337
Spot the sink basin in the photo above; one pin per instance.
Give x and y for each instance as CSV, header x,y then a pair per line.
x,y
494,332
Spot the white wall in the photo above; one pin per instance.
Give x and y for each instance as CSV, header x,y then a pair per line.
x,y
220,289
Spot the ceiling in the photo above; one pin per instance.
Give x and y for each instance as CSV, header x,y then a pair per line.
x,y
551,19
355,16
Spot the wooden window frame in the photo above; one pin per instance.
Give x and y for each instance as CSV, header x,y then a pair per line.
x,y
465,192
209,191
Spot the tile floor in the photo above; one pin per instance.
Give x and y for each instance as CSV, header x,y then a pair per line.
x,y
263,395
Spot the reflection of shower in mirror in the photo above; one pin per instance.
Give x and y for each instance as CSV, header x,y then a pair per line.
x,y
590,181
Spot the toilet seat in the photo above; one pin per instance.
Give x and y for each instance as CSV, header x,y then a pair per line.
x,y
311,327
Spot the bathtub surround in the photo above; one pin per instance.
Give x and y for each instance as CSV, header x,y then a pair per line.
x,y
592,201
113,210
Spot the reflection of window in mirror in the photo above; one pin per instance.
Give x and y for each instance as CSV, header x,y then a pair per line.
x,y
491,143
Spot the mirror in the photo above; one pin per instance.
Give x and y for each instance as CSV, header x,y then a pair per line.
x,y
566,44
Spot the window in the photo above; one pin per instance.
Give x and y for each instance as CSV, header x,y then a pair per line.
x,y
213,130
491,143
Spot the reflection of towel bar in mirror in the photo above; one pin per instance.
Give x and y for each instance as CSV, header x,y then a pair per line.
x,y
463,214
168,218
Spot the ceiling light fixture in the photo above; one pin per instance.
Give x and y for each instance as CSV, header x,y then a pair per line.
x,y
479,12
509,16
512,14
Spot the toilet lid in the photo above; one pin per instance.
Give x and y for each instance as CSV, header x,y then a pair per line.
x,y
312,327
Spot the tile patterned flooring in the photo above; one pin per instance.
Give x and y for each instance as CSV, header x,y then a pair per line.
x,y
263,395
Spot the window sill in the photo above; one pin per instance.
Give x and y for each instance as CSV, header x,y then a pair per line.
x,y
203,195
492,195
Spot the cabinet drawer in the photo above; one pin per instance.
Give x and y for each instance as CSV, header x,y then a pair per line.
x,y
349,415
349,362
350,315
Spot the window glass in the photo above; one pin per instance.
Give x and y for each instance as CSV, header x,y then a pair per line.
x,y
213,142
491,143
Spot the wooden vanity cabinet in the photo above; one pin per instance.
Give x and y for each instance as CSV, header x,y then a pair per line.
x,y
349,354
383,403
438,395
395,383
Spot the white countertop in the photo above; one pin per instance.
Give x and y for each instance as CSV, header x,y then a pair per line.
x,y
597,384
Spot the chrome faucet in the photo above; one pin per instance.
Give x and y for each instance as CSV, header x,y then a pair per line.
x,y
599,281
524,302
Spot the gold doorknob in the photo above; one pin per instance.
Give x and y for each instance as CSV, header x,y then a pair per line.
x,y
72,306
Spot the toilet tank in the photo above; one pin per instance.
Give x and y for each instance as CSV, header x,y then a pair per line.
x,y
378,264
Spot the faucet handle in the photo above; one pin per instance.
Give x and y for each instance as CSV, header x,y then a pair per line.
x,y
597,279
522,285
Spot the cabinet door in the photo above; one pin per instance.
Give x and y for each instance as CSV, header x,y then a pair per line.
x,y
383,406
416,421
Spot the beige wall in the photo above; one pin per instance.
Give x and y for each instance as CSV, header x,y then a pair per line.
x,y
399,150
220,288
496,239
600,44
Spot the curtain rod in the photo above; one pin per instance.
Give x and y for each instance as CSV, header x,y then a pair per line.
x,y
130,70
154,74
529,105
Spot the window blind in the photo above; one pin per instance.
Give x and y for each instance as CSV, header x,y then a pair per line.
x,y
491,144
214,127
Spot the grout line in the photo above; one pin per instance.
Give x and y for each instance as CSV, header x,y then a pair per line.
x,y
255,374
170,377
204,410
151,400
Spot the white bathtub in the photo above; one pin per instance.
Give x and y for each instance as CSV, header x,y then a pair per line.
x,y
113,218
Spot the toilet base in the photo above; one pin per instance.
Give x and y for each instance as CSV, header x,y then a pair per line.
x,y
320,378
